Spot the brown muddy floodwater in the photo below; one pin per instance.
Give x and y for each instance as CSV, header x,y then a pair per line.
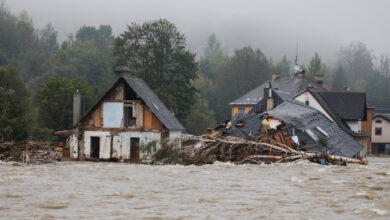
x,y
75,190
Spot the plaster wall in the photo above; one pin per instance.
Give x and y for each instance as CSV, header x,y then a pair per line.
x,y
379,122
306,96
144,139
354,126
73,146
105,143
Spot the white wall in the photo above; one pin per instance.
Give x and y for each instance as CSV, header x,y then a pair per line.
x,y
385,125
105,143
175,137
121,143
73,146
145,137
306,96
117,147
355,126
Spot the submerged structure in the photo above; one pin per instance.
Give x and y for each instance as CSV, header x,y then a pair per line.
x,y
296,125
127,122
381,133
347,110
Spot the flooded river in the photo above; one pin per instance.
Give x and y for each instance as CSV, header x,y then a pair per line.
x,y
74,190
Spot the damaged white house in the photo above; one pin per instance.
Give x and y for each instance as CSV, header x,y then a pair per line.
x,y
127,122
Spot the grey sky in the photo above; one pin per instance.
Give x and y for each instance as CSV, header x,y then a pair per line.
x,y
273,26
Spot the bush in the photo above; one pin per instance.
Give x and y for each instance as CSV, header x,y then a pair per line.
x,y
171,154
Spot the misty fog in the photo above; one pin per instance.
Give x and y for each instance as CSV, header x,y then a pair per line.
x,y
273,26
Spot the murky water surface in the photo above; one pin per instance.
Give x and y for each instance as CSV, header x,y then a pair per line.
x,y
74,190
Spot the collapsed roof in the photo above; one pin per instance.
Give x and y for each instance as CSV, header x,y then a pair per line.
x,y
315,132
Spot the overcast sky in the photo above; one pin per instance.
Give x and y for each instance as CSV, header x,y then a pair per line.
x,y
273,26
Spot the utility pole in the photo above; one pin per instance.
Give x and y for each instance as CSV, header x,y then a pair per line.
x,y
296,67
296,54
386,71
384,68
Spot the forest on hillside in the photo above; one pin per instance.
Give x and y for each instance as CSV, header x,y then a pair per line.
x,y
39,74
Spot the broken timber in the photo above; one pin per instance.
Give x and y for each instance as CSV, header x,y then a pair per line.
x,y
239,151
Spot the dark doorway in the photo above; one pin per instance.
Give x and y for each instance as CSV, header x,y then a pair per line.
x,y
95,147
134,150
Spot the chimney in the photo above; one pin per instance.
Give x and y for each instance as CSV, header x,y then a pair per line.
x,y
122,71
268,96
319,78
76,107
275,76
267,90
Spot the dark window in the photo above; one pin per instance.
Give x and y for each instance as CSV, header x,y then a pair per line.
x,y
130,94
378,131
378,121
129,119
307,102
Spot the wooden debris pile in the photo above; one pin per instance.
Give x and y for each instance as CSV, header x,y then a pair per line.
x,y
36,152
210,149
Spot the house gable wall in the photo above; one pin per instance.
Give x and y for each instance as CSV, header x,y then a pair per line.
x,y
354,126
306,96
247,108
145,119
385,125
150,120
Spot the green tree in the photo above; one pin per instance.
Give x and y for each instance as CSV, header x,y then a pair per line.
x,y
246,70
206,88
283,66
101,37
55,102
315,67
357,61
78,59
200,117
156,52
48,40
213,58
85,60
33,60
339,76
3,58
9,33
23,46
15,117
